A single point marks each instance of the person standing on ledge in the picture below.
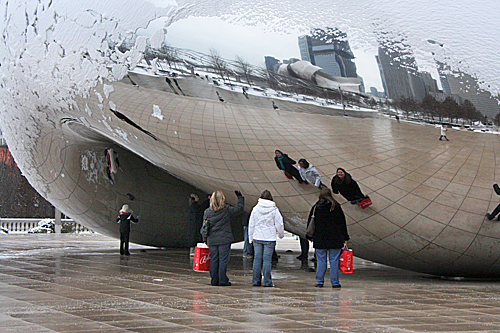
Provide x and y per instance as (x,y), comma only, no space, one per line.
(343,183)
(125,218)
(497,209)
(285,163)
(220,235)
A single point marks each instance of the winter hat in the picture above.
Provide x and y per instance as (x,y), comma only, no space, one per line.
(125,209)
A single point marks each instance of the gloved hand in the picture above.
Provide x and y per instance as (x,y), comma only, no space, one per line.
(238,193)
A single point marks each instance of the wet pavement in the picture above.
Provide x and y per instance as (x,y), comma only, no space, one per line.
(79,283)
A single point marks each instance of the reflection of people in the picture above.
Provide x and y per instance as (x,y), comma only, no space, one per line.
(195,221)
(344,184)
(285,163)
(497,209)
(309,173)
(125,218)
(265,222)
(220,235)
(112,163)
(329,237)
(304,249)
(247,247)
(443,133)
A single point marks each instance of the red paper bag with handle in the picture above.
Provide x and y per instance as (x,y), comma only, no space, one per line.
(365,202)
(346,261)
(201,261)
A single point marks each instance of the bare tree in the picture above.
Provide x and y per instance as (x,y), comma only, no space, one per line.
(219,64)
(243,69)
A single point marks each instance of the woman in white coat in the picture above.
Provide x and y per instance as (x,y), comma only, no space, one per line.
(265,222)
(309,173)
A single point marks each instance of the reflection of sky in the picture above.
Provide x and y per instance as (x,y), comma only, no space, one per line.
(250,43)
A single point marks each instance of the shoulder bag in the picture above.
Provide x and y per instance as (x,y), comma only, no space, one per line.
(311,227)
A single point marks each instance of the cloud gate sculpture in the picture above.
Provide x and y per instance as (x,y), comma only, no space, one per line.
(69,93)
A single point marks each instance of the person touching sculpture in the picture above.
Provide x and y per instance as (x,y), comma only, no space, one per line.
(220,235)
(497,209)
(343,183)
(285,163)
(309,173)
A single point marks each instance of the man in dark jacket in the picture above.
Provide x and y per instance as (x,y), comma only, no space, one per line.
(125,218)
(196,211)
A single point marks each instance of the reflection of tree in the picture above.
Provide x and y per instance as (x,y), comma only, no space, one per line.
(449,109)
(18,198)
(243,68)
(218,63)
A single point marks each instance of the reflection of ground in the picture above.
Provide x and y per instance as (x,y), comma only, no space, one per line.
(55,283)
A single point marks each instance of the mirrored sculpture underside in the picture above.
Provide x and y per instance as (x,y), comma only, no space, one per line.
(429,196)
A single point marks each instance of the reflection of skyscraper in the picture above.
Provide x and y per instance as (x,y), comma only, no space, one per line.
(466,87)
(330,50)
(399,73)
(272,63)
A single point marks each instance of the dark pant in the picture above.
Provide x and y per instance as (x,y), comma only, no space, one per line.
(295,173)
(219,258)
(494,213)
(124,238)
(304,248)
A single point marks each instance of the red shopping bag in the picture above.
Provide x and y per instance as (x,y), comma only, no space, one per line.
(365,202)
(345,263)
(201,261)
(289,176)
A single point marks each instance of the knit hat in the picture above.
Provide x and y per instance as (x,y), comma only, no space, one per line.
(125,209)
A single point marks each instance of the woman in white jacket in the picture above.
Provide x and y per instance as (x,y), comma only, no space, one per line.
(309,173)
(265,222)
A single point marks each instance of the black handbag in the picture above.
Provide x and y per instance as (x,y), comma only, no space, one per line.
(204,229)
(311,227)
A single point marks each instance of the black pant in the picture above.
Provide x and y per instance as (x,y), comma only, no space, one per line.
(495,212)
(124,238)
(294,173)
(304,248)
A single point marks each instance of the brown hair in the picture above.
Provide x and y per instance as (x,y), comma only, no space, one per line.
(266,195)
(217,201)
(347,178)
(326,196)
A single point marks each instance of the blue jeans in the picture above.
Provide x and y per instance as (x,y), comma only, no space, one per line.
(263,253)
(334,255)
(247,247)
(219,258)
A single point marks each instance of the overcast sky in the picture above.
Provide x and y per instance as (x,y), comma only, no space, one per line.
(250,43)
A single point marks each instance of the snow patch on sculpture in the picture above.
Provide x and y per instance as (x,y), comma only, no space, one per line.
(157,112)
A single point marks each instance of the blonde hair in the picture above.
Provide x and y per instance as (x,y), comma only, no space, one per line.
(326,196)
(217,201)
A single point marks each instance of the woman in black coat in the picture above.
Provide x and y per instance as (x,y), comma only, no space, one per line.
(125,218)
(329,237)
(285,163)
(344,184)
